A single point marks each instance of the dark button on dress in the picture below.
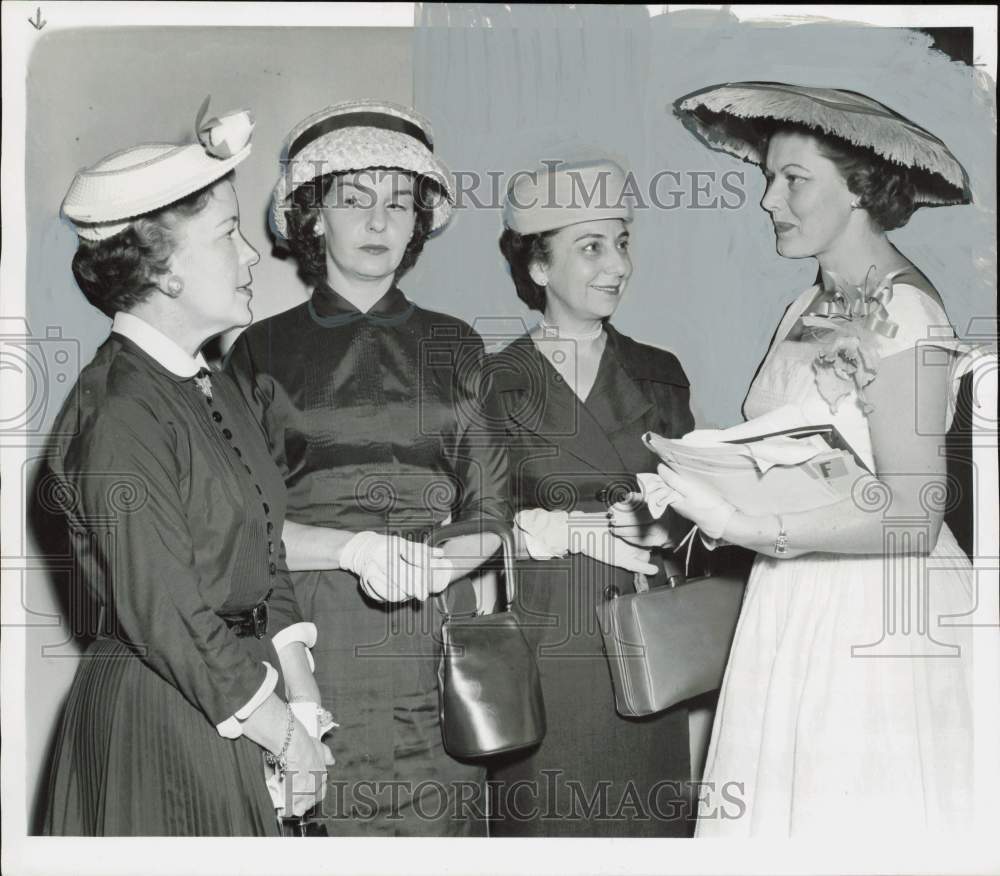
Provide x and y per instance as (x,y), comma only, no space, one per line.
(167,537)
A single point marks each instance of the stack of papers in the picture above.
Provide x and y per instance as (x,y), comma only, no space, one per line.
(772,464)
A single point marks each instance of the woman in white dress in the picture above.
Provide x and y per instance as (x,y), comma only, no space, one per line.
(847,703)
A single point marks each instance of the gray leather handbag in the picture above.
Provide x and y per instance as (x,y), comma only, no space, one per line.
(490,690)
(670,643)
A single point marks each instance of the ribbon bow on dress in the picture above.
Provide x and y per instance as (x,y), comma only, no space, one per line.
(848,324)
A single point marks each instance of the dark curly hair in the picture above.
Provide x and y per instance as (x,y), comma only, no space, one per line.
(521,251)
(120,272)
(884,189)
(303,213)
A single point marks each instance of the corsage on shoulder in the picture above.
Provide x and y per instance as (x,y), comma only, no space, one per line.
(847,325)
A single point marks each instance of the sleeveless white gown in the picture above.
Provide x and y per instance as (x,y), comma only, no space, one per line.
(846,708)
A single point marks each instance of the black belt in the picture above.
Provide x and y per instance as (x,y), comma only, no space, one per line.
(252,622)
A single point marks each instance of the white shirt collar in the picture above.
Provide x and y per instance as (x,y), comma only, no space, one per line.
(157,345)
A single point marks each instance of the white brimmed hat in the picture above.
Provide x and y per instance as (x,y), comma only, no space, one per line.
(561,194)
(356,135)
(734,117)
(104,199)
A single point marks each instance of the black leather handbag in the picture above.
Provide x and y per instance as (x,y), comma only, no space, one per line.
(671,643)
(490,690)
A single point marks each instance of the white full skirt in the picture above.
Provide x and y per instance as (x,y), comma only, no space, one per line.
(846,707)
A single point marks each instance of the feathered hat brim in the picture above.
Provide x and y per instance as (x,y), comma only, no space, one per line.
(736,117)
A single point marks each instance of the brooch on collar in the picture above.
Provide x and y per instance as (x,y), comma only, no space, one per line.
(204,383)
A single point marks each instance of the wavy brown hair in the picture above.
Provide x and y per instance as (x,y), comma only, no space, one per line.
(884,189)
(120,272)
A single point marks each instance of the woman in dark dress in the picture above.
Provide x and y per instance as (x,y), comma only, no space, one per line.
(371,406)
(175,510)
(576,396)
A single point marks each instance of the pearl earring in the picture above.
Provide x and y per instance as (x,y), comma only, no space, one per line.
(855,205)
(317,230)
(175,285)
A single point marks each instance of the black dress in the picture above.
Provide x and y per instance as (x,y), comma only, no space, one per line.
(377,423)
(175,511)
(595,773)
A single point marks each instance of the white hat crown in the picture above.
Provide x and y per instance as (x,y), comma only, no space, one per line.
(104,199)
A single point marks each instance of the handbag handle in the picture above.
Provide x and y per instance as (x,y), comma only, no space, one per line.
(477,527)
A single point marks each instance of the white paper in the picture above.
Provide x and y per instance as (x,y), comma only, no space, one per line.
(774,475)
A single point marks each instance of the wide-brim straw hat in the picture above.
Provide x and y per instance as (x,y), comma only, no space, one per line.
(104,199)
(737,116)
(359,135)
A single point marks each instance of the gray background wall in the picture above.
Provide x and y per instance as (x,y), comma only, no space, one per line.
(707,285)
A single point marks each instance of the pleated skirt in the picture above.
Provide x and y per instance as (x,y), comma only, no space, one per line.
(134,758)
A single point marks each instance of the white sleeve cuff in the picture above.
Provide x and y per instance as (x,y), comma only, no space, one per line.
(711,543)
(303,632)
(231,727)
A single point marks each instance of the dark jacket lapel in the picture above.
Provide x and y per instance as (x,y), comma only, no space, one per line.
(537,400)
(617,399)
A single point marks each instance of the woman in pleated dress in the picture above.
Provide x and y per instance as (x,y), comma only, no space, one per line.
(180,708)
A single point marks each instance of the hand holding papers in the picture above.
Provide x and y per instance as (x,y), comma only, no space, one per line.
(699,502)
(772,465)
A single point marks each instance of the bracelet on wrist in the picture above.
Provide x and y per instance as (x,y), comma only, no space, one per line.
(781,541)
(324,717)
(280,760)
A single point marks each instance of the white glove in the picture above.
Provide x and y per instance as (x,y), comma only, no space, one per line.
(699,503)
(394,569)
(655,493)
(545,533)
(549,534)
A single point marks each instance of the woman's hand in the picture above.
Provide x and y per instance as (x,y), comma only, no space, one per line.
(395,569)
(590,536)
(305,777)
(631,521)
(549,534)
(543,534)
(697,502)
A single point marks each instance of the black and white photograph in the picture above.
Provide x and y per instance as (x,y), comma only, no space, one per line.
(571,429)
